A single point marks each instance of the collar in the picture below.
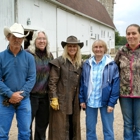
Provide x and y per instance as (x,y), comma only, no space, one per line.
(40,53)
(128,46)
(8,48)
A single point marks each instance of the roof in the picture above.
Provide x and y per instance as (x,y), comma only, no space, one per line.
(91,8)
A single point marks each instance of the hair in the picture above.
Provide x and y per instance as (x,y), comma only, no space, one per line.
(77,59)
(135,25)
(102,42)
(9,34)
(33,41)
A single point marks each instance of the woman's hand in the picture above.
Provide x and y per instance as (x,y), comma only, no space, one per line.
(110,109)
(83,105)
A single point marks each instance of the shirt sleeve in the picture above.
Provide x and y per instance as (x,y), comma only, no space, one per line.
(31,78)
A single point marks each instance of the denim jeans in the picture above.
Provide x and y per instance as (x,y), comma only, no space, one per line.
(23,116)
(107,122)
(131,115)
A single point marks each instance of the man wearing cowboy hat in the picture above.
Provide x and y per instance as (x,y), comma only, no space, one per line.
(17,77)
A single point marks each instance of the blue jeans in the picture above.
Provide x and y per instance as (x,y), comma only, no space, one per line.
(107,122)
(23,116)
(131,115)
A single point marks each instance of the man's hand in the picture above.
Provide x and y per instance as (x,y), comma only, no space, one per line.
(16,97)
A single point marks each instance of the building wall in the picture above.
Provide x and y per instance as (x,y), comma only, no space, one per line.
(59,23)
(86,30)
(42,16)
(6,19)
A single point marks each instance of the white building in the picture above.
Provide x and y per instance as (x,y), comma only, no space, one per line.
(88,20)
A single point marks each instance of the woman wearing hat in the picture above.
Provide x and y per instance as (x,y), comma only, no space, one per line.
(63,92)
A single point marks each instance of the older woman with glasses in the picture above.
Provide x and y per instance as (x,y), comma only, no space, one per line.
(39,48)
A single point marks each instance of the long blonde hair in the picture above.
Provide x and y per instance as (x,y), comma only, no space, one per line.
(77,58)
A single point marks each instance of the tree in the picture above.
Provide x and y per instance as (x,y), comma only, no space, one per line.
(122,41)
(117,38)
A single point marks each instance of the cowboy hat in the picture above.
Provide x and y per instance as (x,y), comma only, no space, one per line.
(72,40)
(16,29)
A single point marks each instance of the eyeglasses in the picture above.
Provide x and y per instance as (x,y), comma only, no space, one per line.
(39,39)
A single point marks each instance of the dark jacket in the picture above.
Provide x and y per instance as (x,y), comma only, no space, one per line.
(64,85)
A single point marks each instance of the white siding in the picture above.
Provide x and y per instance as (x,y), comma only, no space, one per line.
(61,29)
(57,23)
(6,19)
(43,17)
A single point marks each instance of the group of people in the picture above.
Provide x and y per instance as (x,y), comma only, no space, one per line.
(52,92)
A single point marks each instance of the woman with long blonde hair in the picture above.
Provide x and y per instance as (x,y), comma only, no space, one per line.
(63,92)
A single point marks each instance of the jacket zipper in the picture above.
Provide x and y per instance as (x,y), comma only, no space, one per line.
(131,75)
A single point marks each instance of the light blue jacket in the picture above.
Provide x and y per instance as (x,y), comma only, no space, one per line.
(110,83)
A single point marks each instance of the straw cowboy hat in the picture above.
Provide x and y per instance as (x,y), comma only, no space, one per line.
(72,40)
(16,29)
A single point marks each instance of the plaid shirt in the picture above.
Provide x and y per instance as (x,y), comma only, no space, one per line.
(96,81)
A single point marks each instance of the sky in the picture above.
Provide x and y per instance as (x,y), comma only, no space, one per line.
(126,12)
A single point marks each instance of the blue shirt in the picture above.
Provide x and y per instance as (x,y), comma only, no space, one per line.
(96,73)
(17,73)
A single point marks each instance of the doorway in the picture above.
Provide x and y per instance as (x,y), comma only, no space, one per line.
(28,39)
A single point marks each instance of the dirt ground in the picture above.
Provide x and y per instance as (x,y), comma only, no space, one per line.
(118,126)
